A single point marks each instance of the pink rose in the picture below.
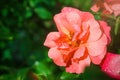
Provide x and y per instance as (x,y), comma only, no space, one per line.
(80,40)
(107,6)
(111,65)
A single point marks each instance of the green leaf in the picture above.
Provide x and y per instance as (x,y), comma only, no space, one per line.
(97,16)
(68,76)
(33,3)
(22,74)
(7,77)
(43,13)
(41,68)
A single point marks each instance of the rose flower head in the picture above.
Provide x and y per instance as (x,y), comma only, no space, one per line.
(79,41)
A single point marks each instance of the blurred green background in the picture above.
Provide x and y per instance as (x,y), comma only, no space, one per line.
(24,25)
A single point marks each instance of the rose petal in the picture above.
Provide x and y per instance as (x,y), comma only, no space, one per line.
(57,57)
(62,24)
(86,16)
(68,21)
(74,20)
(80,52)
(50,40)
(95,31)
(95,8)
(98,47)
(98,59)
(78,67)
(97,50)
(111,65)
(70,9)
(106,29)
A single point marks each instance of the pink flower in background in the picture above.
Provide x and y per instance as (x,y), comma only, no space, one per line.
(107,6)
(111,65)
(79,41)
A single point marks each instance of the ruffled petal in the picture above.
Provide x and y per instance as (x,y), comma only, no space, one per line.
(86,16)
(74,20)
(78,67)
(69,21)
(62,24)
(95,31)
(70,9)
(98,47)
(106,29)
(98,59)
(50,40)
(80,52)
(57,57)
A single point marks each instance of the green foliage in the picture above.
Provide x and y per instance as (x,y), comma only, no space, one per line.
(43,13)
(68,76)
(24,25)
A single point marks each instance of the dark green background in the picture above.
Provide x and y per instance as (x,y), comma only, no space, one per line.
(24,25)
